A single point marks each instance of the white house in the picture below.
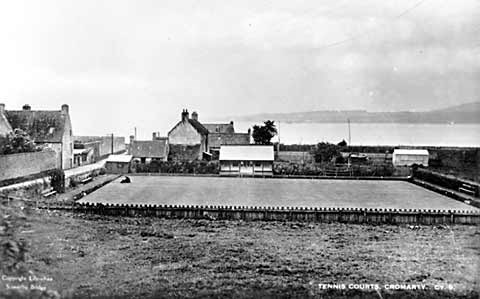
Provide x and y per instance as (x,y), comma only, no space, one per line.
(408,157)
(247,160)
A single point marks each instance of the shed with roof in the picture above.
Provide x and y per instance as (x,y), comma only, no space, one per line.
(118,164)
(409,157)
(248,160)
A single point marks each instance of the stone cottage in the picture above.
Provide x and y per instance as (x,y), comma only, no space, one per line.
(48,128)
(146,151)
(190,139)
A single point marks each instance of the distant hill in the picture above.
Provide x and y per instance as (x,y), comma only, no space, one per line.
(465,113)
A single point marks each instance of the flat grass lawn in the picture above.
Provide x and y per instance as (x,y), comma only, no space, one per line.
(165,190)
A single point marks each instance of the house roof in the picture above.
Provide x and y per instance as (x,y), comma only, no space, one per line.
(80,151)
(246,152)
(120,158)
(42,126)
(410,152)
(198,126)
(149,148)
(220,128)
(218,139)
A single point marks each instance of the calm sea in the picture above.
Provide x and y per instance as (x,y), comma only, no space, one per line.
(378,134)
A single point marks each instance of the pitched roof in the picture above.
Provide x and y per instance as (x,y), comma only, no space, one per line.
(119,158)
(220,128)
(422,152)
(149,148)
(246,153)
(218,139)
(80,151)
(42,126)
(198,126)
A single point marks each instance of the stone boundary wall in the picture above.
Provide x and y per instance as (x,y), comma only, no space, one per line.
(443,180)
(24,164)
(345,215)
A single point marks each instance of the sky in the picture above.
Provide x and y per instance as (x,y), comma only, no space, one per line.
(122,64)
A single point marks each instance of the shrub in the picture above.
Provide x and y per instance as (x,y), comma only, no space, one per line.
(326,152)
(73,183)
(57,180)
(187,167)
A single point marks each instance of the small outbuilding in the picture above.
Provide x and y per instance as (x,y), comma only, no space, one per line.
(147,151)
(82,156)
(249,160)
(408,157)
(118,164)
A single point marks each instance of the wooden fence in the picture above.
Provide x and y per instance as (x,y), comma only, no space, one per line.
(372,216)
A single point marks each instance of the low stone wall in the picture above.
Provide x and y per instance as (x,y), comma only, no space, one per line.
(24,164)
(447,181)
(360,216)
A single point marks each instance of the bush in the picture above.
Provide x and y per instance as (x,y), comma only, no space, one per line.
(187,167)
(326,152)
(73,183)
(57,180)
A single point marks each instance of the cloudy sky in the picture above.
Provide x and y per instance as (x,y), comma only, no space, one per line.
(120,64)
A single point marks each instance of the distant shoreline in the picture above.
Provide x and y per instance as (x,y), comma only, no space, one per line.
(461,114)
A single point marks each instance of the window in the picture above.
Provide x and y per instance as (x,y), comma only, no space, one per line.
(235,164)
(258,164)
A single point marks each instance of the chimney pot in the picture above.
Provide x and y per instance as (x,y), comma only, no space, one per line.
(185,115)
(26,107)
(195,115)
(65,108)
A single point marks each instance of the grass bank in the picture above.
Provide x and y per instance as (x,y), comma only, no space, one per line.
(92,256)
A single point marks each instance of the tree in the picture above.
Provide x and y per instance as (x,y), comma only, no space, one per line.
(326,152)
(264,134)
(18,141)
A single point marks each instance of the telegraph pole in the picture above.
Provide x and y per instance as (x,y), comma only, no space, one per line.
(349,134)
(278,146)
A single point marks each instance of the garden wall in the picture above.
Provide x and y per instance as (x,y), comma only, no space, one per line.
(443,180)
(25,164)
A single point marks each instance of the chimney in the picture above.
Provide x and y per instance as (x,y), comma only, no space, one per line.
(2,107)
(132,138)
(195,115)
(26,107)
(184,115)
(231,122)
(64,109)
(154,135)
